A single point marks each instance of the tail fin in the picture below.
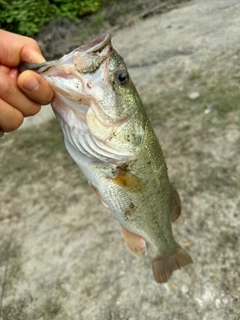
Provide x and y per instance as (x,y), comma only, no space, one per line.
(163,266)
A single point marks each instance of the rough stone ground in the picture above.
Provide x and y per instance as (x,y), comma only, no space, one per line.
(62,255)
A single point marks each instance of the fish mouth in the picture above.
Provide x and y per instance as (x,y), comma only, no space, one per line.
(96,44)
(92,47)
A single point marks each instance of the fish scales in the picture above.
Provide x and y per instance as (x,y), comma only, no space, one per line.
(109,136)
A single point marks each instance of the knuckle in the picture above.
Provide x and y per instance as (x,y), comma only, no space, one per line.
(35,108)
(6,88)
(18,121)
(15,122)
(30,109)
(48,98)
(31,42)
(45,93)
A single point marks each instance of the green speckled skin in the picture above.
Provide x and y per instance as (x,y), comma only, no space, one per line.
(146,212)
(109,136)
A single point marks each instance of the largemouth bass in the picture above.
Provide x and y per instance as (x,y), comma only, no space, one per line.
(109,136)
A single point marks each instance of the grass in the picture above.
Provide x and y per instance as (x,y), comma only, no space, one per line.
(33,159)
(217,177)
(48,309)
(222,98)
(10,262)
(195,74)
(24,150)
(190,127)
(219,97)
(34,154)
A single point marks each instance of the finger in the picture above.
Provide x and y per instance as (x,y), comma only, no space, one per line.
(4,69)
(31,54)
(15,48)
(10,93)
(35,87)
(10,118)
(12,72)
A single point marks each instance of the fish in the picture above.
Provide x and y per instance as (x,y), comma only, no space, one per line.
(109,135)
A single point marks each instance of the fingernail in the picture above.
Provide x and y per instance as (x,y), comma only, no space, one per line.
(36,57)
(31,84)
(32,55)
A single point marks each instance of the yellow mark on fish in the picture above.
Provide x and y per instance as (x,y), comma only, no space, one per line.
(129,182)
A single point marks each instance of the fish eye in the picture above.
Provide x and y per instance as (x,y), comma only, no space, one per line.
(121,77)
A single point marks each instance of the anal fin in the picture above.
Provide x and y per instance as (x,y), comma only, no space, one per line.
(134,243)
(176,204)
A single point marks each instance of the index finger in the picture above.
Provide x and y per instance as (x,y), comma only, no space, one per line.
(16,48)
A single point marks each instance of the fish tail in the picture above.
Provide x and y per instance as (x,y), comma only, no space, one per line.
(163,266)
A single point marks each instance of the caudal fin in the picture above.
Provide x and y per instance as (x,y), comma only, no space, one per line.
(163,266)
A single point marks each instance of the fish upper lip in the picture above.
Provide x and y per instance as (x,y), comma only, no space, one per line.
(93,46)
(96,44)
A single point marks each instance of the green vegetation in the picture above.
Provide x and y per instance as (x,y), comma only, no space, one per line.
(33,147)
(27,17)
(48,309)
(218,101)
(213,116)
(38,155)
(195,74)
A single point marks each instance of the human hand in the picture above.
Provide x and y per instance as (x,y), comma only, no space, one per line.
(21,95)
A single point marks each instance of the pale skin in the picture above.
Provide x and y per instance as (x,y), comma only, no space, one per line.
(21,95)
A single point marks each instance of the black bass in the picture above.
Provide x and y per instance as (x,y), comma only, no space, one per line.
(109,136)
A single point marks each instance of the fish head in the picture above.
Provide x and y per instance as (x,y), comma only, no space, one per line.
(95,99)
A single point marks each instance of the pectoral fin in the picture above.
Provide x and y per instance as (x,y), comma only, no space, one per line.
(135,243)
(95,189)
